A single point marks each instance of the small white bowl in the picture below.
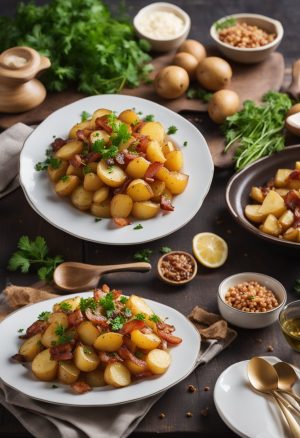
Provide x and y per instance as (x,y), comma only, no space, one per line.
(163,44)
(257,54)
(249,320)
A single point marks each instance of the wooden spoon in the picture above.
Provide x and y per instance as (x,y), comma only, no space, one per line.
(77,277)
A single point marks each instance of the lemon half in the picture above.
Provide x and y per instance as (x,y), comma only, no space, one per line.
(210,249)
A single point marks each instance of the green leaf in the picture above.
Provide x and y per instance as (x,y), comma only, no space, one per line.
(18,261)
(44,316)
(143,255)
(172,130)
(225,23)
(138,227)
(165,249)
(85,116)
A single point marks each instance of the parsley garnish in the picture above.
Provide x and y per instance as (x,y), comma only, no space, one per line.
(63,337)
(143,255)
(165,250)
(85,116)
(87,303)
(107,303)
(44,316)
(20,330)
(123,300)
(149,118)
(86,169)
(140,316)
(138,227)
(127,312)
(65,178)
(199,93)
(139,354)
(155,318)
(110,169)
(49,161)
(65,307)
(117,323)
(297,286)
(185,143)
(172,130)
(54,386)
(34,252)
(87,350)
(106,152)
(224,24)
(98,219)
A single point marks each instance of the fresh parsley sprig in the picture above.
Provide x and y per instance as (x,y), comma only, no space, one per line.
(224,24)
(143,255)
(44,316)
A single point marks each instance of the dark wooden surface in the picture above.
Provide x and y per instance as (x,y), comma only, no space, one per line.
(246,253)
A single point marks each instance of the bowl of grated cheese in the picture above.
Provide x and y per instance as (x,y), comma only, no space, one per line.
(164,25)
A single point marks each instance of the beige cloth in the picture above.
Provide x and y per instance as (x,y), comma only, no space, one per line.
(71,422)
(11,143)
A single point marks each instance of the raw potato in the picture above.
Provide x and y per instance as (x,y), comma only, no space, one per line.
(121,205)
(112,176)
(271,226)
(257,194)
(154,130)
(158,361)
(65,186)
(88,124)
(117,375)
(43,367)
(186,61)
(109,342)
(87,332)
(67,151)
(31,347)
(174,160)
(273,204)
(146,341)
(56,174)
(137,167)
(81,198)
(71,170)
(224,103)
(154,152)
(129,117)
(176,182)
(252,213)
(171,82)
(139,190)
(100,195)
(73,302)
(95,378)
(68,373)
(85,358)
(145,209)
(194,48)
(92,182)
(101,210)
(214,73)
(99,135)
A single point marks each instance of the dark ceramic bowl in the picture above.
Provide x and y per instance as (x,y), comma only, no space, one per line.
(258,173)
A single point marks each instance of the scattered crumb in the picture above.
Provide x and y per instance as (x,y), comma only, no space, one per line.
(204,412)
(189,414)
(206,388)
(270,348)
(229,231)
(191,388)
(258,340)
(162,416)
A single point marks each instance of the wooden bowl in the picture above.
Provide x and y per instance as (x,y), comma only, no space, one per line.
(257,174)
(173,282)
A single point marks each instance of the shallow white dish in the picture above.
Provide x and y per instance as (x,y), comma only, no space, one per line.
(60,213)
(21,378)
(248,413)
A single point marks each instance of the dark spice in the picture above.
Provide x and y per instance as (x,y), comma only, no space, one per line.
(206,388)
(162,416)
(191,388)
(189,414)
(204,412)
(270,349)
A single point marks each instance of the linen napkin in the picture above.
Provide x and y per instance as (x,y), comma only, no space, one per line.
(11,143)
(106,422)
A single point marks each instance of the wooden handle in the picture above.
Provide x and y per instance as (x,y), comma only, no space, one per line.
(134,267)
(294,426)
(44,64)
(294,87)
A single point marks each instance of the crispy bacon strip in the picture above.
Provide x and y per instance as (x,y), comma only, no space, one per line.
(142,375)
(18,358)
(109,358)
(62,352)
(138,126)
(35,328)
(292,200)
(134,324)
(75,318)
(163,345)
(129,156)
(102,123)
(171,339)
(122,221)
(165,327)
(165,203)
(58,143)
(77,161)
(153,169)
(127,355)
(294,175)
(143,143)
(296,223)
(80,387)
(91,157)
(129,344)
(123,187)
(98,294)
(96,318)
(146,330)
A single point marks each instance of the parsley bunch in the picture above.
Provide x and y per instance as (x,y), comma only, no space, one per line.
(32,252)
(86,45)
(258,130)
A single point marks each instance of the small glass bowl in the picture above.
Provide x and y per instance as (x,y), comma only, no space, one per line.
(289,329)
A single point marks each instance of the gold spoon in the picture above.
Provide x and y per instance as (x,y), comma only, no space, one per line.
(75,277)
(287,377)
(263,378)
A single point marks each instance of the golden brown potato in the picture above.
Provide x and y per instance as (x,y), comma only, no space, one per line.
(154,152)
(138,305)
(44,367)
(252,213)
(99,135)
(117,375)
(73,303)
(157,187)
(87,332)
(168,147)
(92,182)
(68,373)
(129,116)
(108,342)
(49,337)
(154,130)
(134,368)
(88,124)
(31,347)
(71,170)
(121,205)
(174,160)
(85,358)
(176,182)
(194,48)
(102,209)
(112,176)
(286,219)
(56,174)
(145,209)
(66,185)
(145,341)
(81,198)
(95,378)
(273,204)
(68,151)
(291,234)
(162,174)
(100,113)
(158,361)
(281,177)
(137,167)
(271,226)
(257,195)
(139,190)
(100,195)
(59,318)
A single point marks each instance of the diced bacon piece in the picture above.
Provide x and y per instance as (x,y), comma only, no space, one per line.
(62,351)
(18,358)
(294,175)
(134,324)
(91,157)
(109,358)
(121,221)
(163,345)
(75,318)
(116,293)
(165,327)
(58,143)
(35,328)
(171,339)
(80,387)
(146,330)
(77,161)
(142,375)
(83,134)
(153,169)
(126,354)
(138,126)
(102,123)
(143,143)
(123,187)
(129,344)
(292,200)
(165,203)
(96,318)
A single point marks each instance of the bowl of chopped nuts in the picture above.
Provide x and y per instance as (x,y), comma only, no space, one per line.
(247,38)
(251,300)
(177,268)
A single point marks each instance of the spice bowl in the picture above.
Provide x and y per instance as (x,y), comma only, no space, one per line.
(177,268)
(245,319)
(249,55)
(162,43)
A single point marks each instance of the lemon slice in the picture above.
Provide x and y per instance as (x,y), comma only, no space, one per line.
(210,249)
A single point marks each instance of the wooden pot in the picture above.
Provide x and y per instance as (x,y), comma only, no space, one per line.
(19,90)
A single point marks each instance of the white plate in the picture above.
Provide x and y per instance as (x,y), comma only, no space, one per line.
(60,213)
(248,413)
(21,378)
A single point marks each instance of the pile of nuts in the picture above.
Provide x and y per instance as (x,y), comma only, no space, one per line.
(251,297)
(245,36)
(177,267)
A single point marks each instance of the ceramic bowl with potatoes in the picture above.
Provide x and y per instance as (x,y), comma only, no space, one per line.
(265,197)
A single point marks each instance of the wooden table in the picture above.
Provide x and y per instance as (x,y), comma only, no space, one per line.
(246,253)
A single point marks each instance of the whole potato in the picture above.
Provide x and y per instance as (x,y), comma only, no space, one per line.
(186,61)
(171,82)
(194,48)
(223,103)
(214,73)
